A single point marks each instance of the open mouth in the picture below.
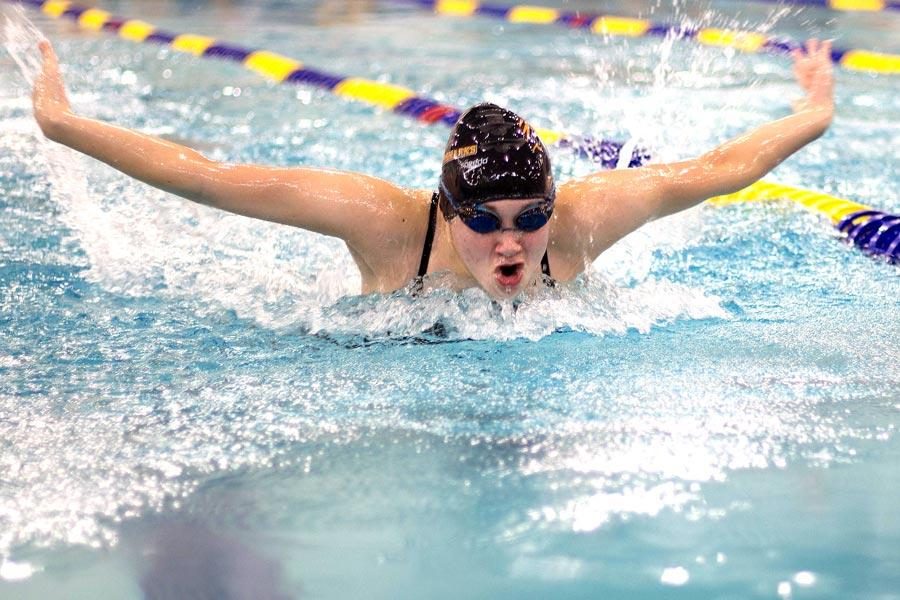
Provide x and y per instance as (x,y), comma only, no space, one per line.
(509,275)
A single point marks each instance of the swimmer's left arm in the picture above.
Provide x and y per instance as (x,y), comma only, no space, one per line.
(745,159)
(618,202)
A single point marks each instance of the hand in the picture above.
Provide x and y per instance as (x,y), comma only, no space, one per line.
(814,72)
(49,97)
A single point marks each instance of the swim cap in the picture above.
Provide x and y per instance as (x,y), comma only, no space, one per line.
(493,154)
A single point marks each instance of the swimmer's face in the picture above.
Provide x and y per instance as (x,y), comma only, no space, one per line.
(506,261)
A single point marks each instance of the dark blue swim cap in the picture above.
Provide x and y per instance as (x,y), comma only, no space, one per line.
(493,154)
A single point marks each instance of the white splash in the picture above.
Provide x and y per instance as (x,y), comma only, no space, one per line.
(16,571)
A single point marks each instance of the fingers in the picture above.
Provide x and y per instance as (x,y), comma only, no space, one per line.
(819,50)
(813,68)
(825,50)
(812,62)
(48,55)
(814,49)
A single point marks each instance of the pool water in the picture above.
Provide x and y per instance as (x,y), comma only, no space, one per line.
(194,404)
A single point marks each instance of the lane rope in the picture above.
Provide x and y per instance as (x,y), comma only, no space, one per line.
(846,214)
(873,231)
(745,41)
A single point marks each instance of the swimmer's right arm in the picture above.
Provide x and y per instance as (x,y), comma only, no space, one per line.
(350,206)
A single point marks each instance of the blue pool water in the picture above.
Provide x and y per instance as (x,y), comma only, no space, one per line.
(196,403)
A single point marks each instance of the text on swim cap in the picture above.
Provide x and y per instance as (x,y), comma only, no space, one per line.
(460,153)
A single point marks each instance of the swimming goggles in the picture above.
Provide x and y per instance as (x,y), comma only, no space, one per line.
(484,221)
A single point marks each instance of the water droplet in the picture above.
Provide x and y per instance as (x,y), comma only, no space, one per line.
(784,590)
(675,576)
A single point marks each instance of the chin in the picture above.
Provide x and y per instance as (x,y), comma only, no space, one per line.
(504,293)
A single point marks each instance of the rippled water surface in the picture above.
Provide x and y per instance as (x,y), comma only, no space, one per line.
(196,403)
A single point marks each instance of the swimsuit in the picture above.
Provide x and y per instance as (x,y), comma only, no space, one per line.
(429,239)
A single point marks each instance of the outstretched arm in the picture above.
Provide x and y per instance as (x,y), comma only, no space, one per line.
(609,205)
(345,205)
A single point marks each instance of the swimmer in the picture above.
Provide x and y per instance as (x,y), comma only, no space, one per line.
(504,226)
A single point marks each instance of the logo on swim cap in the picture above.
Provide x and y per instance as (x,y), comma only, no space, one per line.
(505,159)
(460,153)
(468,166)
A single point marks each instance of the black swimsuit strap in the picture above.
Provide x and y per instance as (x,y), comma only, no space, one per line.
(429,236)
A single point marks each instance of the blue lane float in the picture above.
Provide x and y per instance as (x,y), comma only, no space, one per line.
(874,232)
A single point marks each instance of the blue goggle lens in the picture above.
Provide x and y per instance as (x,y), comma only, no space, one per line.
(532,220)
(481,222)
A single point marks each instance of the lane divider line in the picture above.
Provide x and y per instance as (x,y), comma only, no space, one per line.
(746,41)
(873,231)
(843,5)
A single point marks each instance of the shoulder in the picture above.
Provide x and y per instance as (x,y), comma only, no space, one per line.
(583,210)
(389,245)
(397,216)
(594,212)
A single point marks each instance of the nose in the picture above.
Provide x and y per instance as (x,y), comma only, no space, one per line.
(509,242)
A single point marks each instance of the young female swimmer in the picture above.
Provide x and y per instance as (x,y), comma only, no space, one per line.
(506,227)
